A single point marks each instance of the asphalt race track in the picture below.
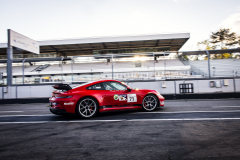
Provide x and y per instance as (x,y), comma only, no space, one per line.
(183,129)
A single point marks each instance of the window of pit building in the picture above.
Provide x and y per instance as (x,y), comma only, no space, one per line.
(186,88)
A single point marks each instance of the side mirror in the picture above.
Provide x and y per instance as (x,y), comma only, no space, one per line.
(129,89)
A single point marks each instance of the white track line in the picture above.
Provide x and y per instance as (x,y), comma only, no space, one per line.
(121,120)
(187,112)
(133,113)
(28,115)
(224,106)
(186,119)
(10,111)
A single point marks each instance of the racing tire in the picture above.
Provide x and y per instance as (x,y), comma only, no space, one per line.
(87,107)
(149,103)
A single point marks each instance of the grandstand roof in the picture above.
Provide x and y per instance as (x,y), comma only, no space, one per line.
(36,59)
(86,46)
(219,51)
(104,56)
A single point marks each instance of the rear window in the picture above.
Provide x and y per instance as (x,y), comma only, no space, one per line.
(97,86)
(79,85)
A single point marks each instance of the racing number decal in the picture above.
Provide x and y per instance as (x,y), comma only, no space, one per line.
(131,98)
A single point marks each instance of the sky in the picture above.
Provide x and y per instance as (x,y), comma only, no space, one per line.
(70,19)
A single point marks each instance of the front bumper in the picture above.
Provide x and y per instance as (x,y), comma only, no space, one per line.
(161,100)
(57,111)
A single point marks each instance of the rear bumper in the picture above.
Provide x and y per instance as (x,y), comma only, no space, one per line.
(63,104)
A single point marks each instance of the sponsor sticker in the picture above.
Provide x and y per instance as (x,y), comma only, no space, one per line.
(122,97)
(131,98)
(115,97)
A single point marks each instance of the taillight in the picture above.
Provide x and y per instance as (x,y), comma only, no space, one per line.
(59,96)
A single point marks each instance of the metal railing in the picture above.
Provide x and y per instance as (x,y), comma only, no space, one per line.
(124,67)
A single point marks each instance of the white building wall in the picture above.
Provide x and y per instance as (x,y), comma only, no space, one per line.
(1,92)
(200,86)
(237,83)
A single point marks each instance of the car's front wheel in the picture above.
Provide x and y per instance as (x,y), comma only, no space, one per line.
(87,107)
(149,102)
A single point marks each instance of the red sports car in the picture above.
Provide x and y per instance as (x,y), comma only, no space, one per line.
(87,99)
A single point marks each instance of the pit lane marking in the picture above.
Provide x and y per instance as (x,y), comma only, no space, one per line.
(126,120)
(224,106)
(186,112)
(28,115)
(132,113)
(10,111)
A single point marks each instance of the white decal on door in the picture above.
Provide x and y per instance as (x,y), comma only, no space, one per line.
(131,98)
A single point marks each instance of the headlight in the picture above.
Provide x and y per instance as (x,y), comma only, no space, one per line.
(158,93)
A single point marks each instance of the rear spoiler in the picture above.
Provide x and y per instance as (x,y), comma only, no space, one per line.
(65,87)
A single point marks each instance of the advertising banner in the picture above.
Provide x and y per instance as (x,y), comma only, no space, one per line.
(23,42)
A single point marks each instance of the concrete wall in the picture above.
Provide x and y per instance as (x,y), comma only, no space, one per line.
(200,86)
(155,85)
(237,83)
(42,91)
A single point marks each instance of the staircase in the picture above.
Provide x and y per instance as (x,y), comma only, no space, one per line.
(40,68)
(195,70)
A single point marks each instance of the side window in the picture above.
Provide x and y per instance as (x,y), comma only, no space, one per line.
(114,86)
(95,87)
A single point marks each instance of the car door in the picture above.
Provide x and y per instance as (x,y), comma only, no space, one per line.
(97,91)
(115,94)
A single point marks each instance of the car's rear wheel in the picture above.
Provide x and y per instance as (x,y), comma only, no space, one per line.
(149,102)
(87,107)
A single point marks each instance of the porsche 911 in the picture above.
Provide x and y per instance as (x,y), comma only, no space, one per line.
(88,99)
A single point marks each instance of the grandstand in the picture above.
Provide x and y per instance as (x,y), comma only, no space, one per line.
(219,67)
(106,59)
(123,70)
(121,58)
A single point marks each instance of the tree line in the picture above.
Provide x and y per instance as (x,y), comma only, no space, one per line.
(221,39)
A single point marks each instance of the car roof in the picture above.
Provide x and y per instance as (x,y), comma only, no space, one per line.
(99,81)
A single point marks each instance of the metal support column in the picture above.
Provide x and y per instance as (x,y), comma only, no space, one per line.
(234,85)
(23,69)
(154,67)
(72,68)
(9,61)
(209,71)
(2,93)
(16,92)
(164,66)
(62,68)
(175,90)
(112,66)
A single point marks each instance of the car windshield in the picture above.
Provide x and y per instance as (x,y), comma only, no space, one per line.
(125,84)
